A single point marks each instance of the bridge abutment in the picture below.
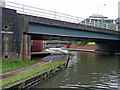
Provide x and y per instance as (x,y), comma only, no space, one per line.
(109,48)
(12,30)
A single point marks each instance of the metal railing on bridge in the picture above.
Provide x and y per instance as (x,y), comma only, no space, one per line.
(34,11)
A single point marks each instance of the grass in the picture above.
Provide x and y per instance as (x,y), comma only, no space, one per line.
(14,65)
(45,51)
(27,74)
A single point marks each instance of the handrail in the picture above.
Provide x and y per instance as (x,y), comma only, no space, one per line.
(35,11)
(44,9)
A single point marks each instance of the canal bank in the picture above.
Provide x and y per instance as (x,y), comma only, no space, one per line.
(31,81)
(60,63)
(92,51)
(82,50)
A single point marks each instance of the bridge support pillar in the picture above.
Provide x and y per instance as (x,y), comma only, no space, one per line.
(26,47)
(110,48)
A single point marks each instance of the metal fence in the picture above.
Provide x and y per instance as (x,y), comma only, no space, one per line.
(34,11)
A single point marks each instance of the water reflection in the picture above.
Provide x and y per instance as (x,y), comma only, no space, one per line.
(86,70)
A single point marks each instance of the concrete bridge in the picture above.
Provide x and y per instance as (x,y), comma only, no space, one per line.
(17,31)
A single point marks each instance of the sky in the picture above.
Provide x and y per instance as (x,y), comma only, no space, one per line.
(80,8)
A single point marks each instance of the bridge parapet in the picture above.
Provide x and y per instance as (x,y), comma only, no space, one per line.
(63,24)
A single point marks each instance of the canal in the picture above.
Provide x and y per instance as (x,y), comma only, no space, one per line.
(86,70)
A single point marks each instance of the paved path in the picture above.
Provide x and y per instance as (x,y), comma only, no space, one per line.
(41,53)
(16,72)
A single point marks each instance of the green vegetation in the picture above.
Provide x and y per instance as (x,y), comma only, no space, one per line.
(90,44)
(74,44)
(55,41)
(27,74)
(45,51)
(14,65)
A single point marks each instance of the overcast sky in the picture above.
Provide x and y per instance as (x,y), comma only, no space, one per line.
(80,8)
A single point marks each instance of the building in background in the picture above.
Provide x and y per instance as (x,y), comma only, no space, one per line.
(97,17)
(54,44)
(98,20)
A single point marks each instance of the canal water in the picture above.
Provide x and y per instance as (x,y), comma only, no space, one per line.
(87,70)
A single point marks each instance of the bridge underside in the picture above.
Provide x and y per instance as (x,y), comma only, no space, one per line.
(102,45)
(68,38)
(49,32)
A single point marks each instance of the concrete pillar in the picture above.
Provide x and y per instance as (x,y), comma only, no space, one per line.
(0,34)
(108,47)
(27,47)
